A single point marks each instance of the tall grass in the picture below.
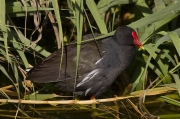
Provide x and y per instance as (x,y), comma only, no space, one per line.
(154,69)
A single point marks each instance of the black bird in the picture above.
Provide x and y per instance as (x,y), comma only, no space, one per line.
(99,65)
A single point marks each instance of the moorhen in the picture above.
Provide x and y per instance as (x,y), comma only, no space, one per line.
(100,64)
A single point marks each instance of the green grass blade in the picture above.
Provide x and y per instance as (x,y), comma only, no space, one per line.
(151,51)
(3,26)
(57,14)
(171,101)
(143,7)
(167,55)
(176,40)
(19,49)
(177,81)
(95,12)
(168,12)
(26,41)
(79,17)
(174,69)
(137,76)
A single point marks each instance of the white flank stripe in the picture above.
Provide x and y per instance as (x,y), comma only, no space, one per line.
(28,69)
(89,76)
(87,91)
(98,61)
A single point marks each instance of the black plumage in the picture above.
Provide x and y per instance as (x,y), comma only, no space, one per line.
(99,64)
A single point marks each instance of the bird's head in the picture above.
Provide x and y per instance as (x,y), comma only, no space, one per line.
(127,36)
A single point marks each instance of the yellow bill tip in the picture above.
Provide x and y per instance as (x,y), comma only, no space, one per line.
(142,47)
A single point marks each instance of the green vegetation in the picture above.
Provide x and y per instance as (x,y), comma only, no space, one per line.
(154,72)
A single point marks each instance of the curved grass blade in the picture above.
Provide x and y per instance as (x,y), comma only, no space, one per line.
(19,49)
(167,55)
(140,77)
(176,40)
(35,47)
(96,14)
(6,74)
(137,76)
(142,6)
(168,12)
(177,81)
(151,51)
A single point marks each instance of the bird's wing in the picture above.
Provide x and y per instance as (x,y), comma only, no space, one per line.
(49,70)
